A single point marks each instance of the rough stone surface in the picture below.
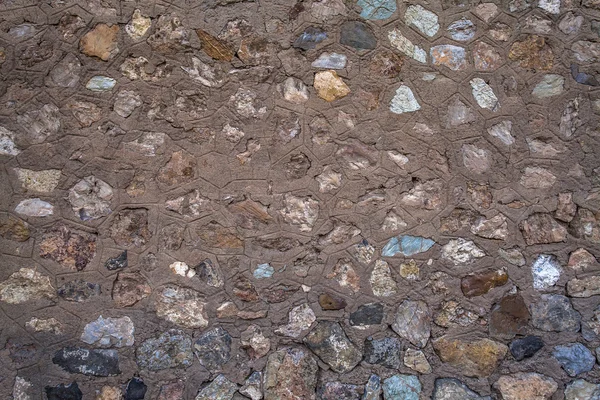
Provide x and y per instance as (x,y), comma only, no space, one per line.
(521,386)
(182,306)
(109,332)
(330,343)
(478,358)
(26,285)
(171,349)
(525,347)
(88,361)
(290,373)
(413,322)
(575,358)
(554,313)
(453,389)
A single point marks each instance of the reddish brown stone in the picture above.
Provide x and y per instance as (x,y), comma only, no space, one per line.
(180,169)
(541,228)
(278,293)
(217,236)
(172,391)
(244,290)
(329,301)
(533,53)
(481,283)
(130,227)
(485,57)
(68,248)
(129,288)
(387,64)
(509,317)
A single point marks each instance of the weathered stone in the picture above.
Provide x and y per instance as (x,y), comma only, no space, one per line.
(205,74)
(329,180)
(485,57)
(476,358)
(43,181)
(406,245)
(413,322)
(263,271)
(300,320)
(580,389)
(7,144)
(509,317)
(50,325)
(450,56)
(88,362)
(453,389)
(253,386)
(545,271)
(69,25)
(586,51)
(67,72)
(492,228)
(382,282)
(422,19)
(358,35)
(377,9)
(245,104)
(62,392)
(416,360)
(294,91)
(26,285)
(550,85)
(402,387)
(575,358)
(109,332)
(367,314)
(484,94)
(40,124)
(566,208)
(12,228)
(220,388)
(34,208)
(585,225)
(476,160)
(130,288)
(330,343)
(126,102)
(525,347)
(329,301)
(584,287)
(513,256)
(138,25)
(310,38)
(537,178)
(301,211)
(130,227)
(180,169)
(532,53)
(171,349)
(459,113)
(554,313)
(100,42)
(330,86)
(69,248)
(405,46)
(461,251)
(581,260)
(138,68)
(452,314)
(462,30)
(500,31)
(213,348)
(100,83)
(22,389)
(214,47)
(182,306)
(169,36)
(291,373)
(255,343)
(386,352)
(78,290)
(526,386)
(245,290)
(479,284)
(135,389)
(345,274)
(404,101)
(116,263)
(90,198)
(330,61)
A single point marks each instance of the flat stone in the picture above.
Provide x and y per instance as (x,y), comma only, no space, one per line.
(532,53)
(509,317)
(358,35)
(485,57)
(130,288)
(462,30)
(481,283)
(204,73)
(300,320)
(586,51)
(255,343)
(34,208)
(584,287)
(330,61)
(554,313)
(537,178)
(484,94)
(253,386)
(459,113)
(79,360)
(402,387)
(546,271)
(386,352)
(416,360)
(109,332)
(135,389)
(41,123)
(78,290)
(300,211)
(574,358)
(330,343)
(26,285)
(69,248)
(67,72)
(580,389)
(169,35)
(550,85)
(526,386)
(213,348)
(100,42)
(381,280)
(245,290)
(291,373)
(43,181)
(406,245)
(90,198)
(475,358)
(453,389)
(413,322)
(330,86)
(422,19)
(585,225)
(492,228)
(377,9)
(367,314)
(404,101)
(170,349)
(263,271)
(7,143)
(63,391)
(461,251)
(338,391)
(453,314)
(566,207)
(182,306)
(310,38)
(475,160)
(220,388)
(513,256)
(450,56)
(130,227)
(138,25)
(526,347)
(405,46)
(50,325)
(100,83)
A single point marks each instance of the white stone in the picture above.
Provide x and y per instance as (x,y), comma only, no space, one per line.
(34,208)
(422,19)
(550,6)
(404,101)
(138,26)
(502,131)
(7,144)
(330,61)
(295,91)
(329,180)
(545,271)
(300,320)
(461,251)
(398,158)
(406,46)
(203,73)
(232,133)
(484,95)
(181,268)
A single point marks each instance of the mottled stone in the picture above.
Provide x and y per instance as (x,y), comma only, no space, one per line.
(43,181)
(172,391)
(88,362)
(416,360)
(291,373)
(532,53)
(586,51)
(301,211)
(330,86)
(169,36)
(381,280)
(12,228)
(525,347)
(509,317)
(452,314)
(537,178)
(329,301)
(78,290)
(171,349)
(345,274)
(26,285)
(41,123)
(138,25)
(50,325)
(330,61)
(484,94)
(358,35)
(513,256)
(310,38)
(582,260)
(138,68)
(554,313)
(67,72)
(459,113)
(550,85)
(63,392)
(574,358)
(69,248)
(126,102)
(100,83)
(294,91)
(526,386)
(130,227)
(214,47)
(485,57)
(413,322)
(330,343)
(386,352)
(404,101)
(405,46)
(255,343)
(402,387)
(545,271)
(410,270)
(584,287)
(329,180)
(475,160)
(450,56)
(109,332)
(220,388)
(367,314)
(570,121)
(180,169)
(253,386)
(130,288)
(338,391)
(377,9)
(100,42)
(90,198)
(213,348)
(300,320)
(585,225)
(406,245)
(476,358)
(462,30)
(422,19)
(566,208)
(135,389)
(182,306)
(34,208)
(453,389)
(580,389)
(461,251)
(372,388)
(116,263)
(481,283)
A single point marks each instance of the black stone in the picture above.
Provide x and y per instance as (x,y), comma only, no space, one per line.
(525,347)
(368,314)
(135,390)
(64,392)
(78,290)
(357,35)
(310,38)
(119,262)
(386,352)
(213,348)
(84,361)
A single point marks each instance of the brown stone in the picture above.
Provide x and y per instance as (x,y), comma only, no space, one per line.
(458,219)
(129,288)
(541,228)
(68,248)
(180,169)
(474,358)
(532,53)
(257,51)
(279,293)
(130,227)
(479,194)
(329,301)
(480,283)
(485,57)
(217,236)
(345,274)
(12,228)
(100,42)
(330,86)
(584,287)
(172,391)
(387,64)
(509,317)
(452,314)
(566,208)
(290,374)
(244,290)
(582,260)
(214,47)
(586,225)
(250,214)
(526,386)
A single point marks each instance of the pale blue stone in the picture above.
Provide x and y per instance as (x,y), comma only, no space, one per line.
(401,387)
(101,83)
(575,358)
(377,9)
(330,61)
(263,271)
(462,30)
(372,388)
(407,245)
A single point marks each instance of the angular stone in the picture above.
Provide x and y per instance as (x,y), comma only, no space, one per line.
(581,260)
(345,274)
(509,317)
(310,38)
(484,94)
(79,360)
(554,313)
(377,9)
(575,358)
(130,227)
(138,68)
(526,386)
(50,325)
(138,25)
(109,393)
(214,47)
(330,61)
(450,56)
(302,211)
(410,270)
(585,225)
(253,386)
(300,320)
(67,72)
(26,285)
(62,392)
(550,85)
(291,373)
(329,180)
(43,181)
(329,301)
(90,198)
(462,30)
(116,263)
(7,143)
(513,256)
(416,360)
(406,245)
(130,288)
(109,332)
(475,358)
(422,19)
(255,343)
(382,282)
(525,347)
(492,228)
(537,178)
(100,83)
(406,47)
(100,42)
(22,389)
(386,352)
(453,389)
(358,35)
(330,343)
(367,314)
(220,388)
(180,169)
(213,348)
(586,51)
(402,387)
(545,271)
(69,248)
(584,287)
(34,208)
(452,314)
(40,124)
(330,86)
(485,57)
(171,349)
(294,91)
(404,101)
(566,208)
(532,53)
(461,251)
(78,290)
(413,322)
(169,36)
(580,389)
(459,113)
(182,306)
(126,102)
(135,389)
(479,284)
(475,160)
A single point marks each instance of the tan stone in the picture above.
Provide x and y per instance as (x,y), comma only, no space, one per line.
(526,386)
(100,42)
(330,86)
(476,358)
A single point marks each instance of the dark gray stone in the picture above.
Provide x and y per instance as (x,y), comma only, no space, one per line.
(78,290)
(135,390)
(213,348)
(525,347)
(171,349)
(554,313)
(64,392)
(367,314)
(330,343)
(386,352)
(79,360)
(575,358)
(358,35)
(115,263)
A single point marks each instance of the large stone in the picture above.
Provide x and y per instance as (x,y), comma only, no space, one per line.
(545,271)
(575,358)
(422,19)
(338,391)
(386,352)
(402,387)
(79,360)
(69,248)
(491,228)
(413,322)
(484,94)
(40,124)
(526,347)
(50,325)
(213,348)
(220,388)
(509,317)
(382,282)
(462,30)
(582,260)
(377,9)
(526,386)
(130,227)
(90,198)
(580,389)
(330,61)
(358,35)
(404,45)
(100,42)
(330,343)
(586,51)
(34,208)
(129,288)
(586,225)
(541,228)
(478,284)
(291,374)
(330,86)
(7,143)
(109,332)
(475,358)
(453,389)
(554,313)
(486,57)
(404,101)
(367,314)
(26,285)
(584,287)
(450,56)
(171,349)
(532,53)
(182,306)
(461,251)
(138,25)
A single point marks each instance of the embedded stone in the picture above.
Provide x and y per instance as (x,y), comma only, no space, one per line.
(116,263)
(169,36)
(476,160)
(550,85)
(574,358)
(329,301)
(410,270)
(413,322)
(220,388)
(209,273)
(43,181)
(416,360)
(462,30)
(329,180)
(263,271)
(69,248)
(526,347)
(586,51)
(295,91)
(566,208)
(377,9)
(404,101)
(367,314)
(570,121)
(63,391)
(109,393)
(67,72)
(537,178)
(358,35)
(130,227)
(245,290)
(126,102)
(135,389)
(90,198)
(382,282)
(545,271)
(310,38)
(40,124)
(7,143)
(182,306)
(584,287)
(386,352)
(461,251)
(79,360)
(330,86)
(554,313)
(78,290)
(302,211)
(50,325)
(402,387)
(453,389)
(406,245)
(484,94)
(492,228)
(100,42)
(130,288)
(406,47)
(291,373)
(459,113)
(26,285)
(100,83)
(480,283)
(214,47)
(345,274)
(34,208)
(475,358)
(585,225)
(180,169)
(580,389)
(526,386)
(509,317)
(450,56)
(138,25)
(330,61)
(300,320)
(452,314)
(485,57)
(109,332)
(255,343)
(213,348)
(330,343)
(422,19)
(253,386)
(532,53)
(581,260)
